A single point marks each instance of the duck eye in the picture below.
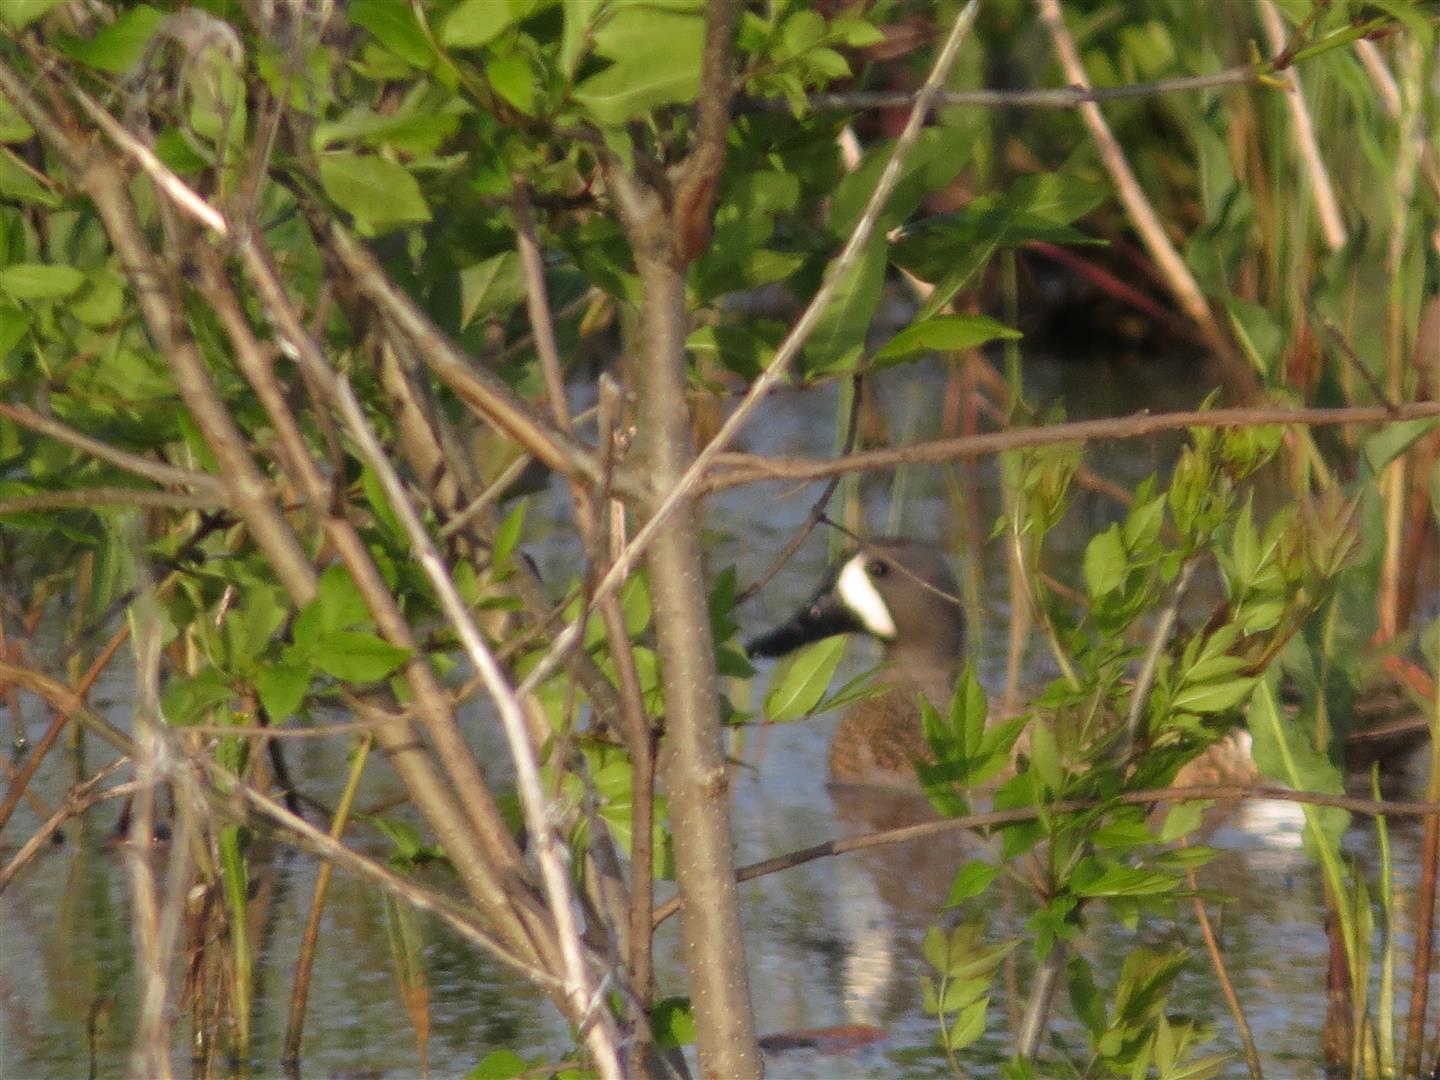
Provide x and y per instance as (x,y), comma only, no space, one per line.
(878,568)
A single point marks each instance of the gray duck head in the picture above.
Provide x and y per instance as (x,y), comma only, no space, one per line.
(900,592)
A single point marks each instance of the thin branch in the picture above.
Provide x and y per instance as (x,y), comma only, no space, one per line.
(1327,206)
(93,498)
(1062,97)
(996,818)
(817,510)
(1159,639)
(156,471)
(753,468)
(1227,988)
(78,799)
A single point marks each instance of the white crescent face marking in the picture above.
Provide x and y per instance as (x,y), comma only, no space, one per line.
(858,593)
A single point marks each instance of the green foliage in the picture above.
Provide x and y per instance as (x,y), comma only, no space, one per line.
(1086,739)
(417,124)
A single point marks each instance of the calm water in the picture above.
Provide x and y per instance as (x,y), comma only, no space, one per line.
(833,942)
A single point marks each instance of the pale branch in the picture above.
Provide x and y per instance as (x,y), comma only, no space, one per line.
(1322,190)
(753,468)
(586,1010)
(466,817)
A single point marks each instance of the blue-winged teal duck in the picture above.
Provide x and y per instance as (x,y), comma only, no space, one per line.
(903,593)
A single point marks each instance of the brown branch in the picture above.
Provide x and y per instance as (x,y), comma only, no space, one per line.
(155,471)
(90,498)
(1227,988)
(77,801)
(1060,97)
(996,818)
(752,468)
(699,175)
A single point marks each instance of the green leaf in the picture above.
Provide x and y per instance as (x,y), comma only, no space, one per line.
(491,286)
(969,1025)
(355,657)
(476,22)
(943,333)
(801,678)
(21,15)
(282,688)
(1045,755)
(656,54)
(968,712)
(840,333)
(1117,880)
(1394,439)
(672,1022)
(17,183)
(376,192)
(338,601)
(971,880)
(1182,819)
(513,80)
(40,281)
(1106,563)
(499,1064)
(395,26)
(508,534)
(118,47)
(1213,697)
(1085,996)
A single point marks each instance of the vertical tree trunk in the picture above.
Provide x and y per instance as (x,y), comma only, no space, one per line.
(694,771)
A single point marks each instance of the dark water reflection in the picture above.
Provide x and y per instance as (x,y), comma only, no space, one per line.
(833,942)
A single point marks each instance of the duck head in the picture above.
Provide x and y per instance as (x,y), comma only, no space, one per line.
(900,592)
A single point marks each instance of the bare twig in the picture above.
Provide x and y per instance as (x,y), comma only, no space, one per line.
(1159,640)
(751,468)
(1227,988)
(1060,97)
(78,799)
(1327,206)
(817,510)
(996,818)
(158,472)
(300,991)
